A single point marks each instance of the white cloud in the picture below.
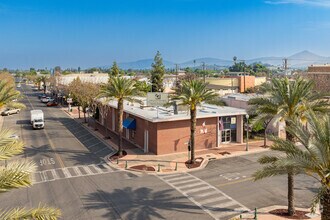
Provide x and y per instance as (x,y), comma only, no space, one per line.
(319,3)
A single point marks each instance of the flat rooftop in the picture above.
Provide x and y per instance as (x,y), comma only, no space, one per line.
(241,97)
(164,114)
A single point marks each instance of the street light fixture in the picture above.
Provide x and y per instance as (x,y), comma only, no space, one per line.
(247,132)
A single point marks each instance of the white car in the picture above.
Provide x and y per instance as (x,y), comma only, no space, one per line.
(46,100)
(14,136)
(10,111)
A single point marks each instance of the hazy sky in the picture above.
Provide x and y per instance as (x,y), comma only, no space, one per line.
(86,33)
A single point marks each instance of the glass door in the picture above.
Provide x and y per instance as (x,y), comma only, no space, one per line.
(226,136)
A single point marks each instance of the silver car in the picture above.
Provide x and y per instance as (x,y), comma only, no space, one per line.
(10,111)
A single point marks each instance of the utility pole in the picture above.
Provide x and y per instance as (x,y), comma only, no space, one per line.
(203,65)
(176,72)
(285,65)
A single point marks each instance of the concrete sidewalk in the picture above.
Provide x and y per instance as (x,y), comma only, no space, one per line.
(264,215)
(171,162)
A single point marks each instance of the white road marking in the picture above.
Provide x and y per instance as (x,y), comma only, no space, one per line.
(54,174)
(67,175)
(195,189)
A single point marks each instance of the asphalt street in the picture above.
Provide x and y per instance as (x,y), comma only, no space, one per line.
(72,176)
(233,176)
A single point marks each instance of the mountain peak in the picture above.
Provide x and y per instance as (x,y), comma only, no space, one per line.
(306,55)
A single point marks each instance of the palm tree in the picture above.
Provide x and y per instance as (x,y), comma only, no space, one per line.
(120,89)
(44,80)
(17,175)
(312,158)
(285,101)
(193,93)
(7,93)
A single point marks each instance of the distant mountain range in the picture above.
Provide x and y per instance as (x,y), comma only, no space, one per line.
(298,60)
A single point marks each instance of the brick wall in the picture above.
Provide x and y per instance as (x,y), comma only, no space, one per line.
(321,80)
(172,136)
(320,69)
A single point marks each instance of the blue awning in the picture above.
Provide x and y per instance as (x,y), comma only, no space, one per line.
(129,123)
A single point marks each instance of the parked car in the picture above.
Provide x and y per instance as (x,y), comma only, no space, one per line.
(35,89)
(19,85)
(41,96)
(46,100)
(14,136)
(52,103)
(10,111)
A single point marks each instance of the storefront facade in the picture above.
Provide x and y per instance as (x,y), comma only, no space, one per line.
(163,132)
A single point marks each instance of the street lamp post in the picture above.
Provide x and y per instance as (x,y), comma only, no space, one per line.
(247,132)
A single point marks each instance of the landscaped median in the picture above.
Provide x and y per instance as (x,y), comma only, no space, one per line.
(134,160)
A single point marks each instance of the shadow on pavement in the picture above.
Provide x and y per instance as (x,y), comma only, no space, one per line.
(141,203)
(77,157)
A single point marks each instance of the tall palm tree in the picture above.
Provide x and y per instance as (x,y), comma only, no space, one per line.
(312,158)
(17,175)
(120,89)
(286,100)
(193,93)
(44,80)
(7,93)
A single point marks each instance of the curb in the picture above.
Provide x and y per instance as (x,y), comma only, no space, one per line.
(265,211)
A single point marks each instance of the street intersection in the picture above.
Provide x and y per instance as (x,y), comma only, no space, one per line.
(72,176)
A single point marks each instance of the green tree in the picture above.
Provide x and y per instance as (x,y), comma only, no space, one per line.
(313,158)
(157,74)
(7,93)
(83,93)
(120,89)
(114,71)
(44,79)
(143,86)
(17,175)
(287,100)
(193,93)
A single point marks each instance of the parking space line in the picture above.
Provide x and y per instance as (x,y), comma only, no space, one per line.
(100,150)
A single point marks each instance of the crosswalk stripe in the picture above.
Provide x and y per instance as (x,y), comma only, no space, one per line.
(201,193)
(224,213)
(54,174)
(97,168)
(211,192)
(189,185)
(166,176)
(66,173)
(87,170)
(220,205)
(77,171)
(184,181)
(196,189)
(213,199)
(178,178)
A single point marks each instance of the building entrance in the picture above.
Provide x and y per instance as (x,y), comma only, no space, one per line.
(227,130)
(226,136)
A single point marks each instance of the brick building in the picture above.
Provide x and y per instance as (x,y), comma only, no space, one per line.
(163,132)
(320,74)
(234,83)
